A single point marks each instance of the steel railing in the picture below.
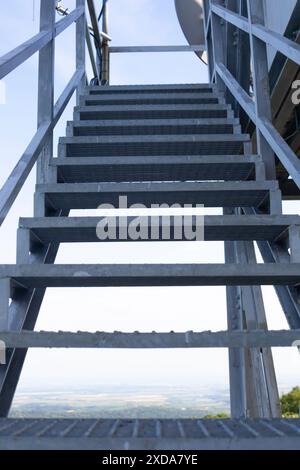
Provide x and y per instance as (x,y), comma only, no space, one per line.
(40,147)
(220,45)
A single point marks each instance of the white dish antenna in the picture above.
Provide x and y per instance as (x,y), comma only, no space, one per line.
(191,18)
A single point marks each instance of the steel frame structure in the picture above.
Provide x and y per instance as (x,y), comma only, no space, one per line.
(235,29)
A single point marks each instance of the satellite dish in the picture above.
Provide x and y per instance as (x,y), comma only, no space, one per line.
(191,18)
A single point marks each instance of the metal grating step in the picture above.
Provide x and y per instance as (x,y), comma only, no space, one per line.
(152,145)
(152,127)
(84,229)
(156,168)
(146,275)
(152,434)
(187,88)
(157,111)
(213,194)
(157,98)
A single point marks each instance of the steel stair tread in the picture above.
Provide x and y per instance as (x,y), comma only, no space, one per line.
(158,159)
(149,340)
(83,229)
(153,138)
(152,145)
(178,122)
(213,194)
(155,168)
(151,126)
(163,111)
(153,88)
(149,434)
(143,107)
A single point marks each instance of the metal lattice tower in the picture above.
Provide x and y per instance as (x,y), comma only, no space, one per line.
(186,144)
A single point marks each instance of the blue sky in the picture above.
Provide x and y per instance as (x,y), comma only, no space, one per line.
(132,22)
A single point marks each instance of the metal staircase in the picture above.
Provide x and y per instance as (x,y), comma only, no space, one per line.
(155,145)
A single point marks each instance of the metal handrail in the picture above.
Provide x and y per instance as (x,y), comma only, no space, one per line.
(143,49)
(287,47)
(40,147)
(257,108)
(94,21)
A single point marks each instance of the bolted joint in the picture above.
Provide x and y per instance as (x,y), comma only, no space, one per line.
(294,243)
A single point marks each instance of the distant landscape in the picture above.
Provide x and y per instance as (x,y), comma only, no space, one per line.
(117,401)
(123,401)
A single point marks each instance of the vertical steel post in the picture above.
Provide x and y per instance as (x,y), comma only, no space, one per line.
(261,86)
(4,304)
(238,58)
(46,86)
(237,376)
(294,241)
(80,47)
(105,48)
